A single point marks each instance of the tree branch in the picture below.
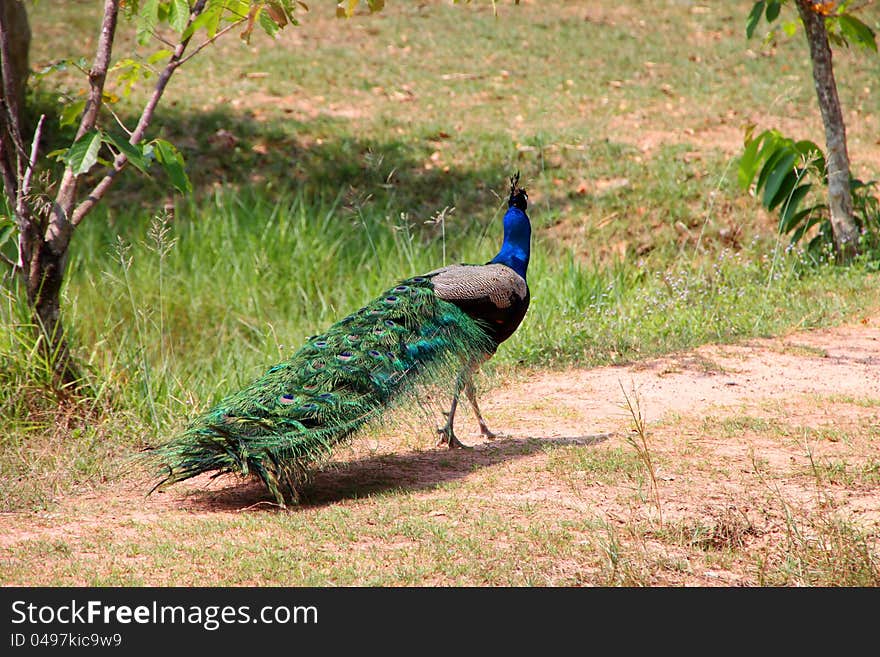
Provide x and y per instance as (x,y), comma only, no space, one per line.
(98,73)
(118,120)
(32,162)
(22,211)
(207,43)
(140,129)
(159,37)
(60,225)
(164,77)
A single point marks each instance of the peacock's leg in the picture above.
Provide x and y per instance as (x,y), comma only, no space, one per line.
(447,435)
(471,393)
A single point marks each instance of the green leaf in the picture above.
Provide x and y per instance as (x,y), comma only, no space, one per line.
(813,155)
(773,144)
(178,15)
(128,73)
(134,154)
(773,8)
(268,24)
(158,56)
(172,161)
(130,8)
(59,154)
(812,215)
(772,157)
(71,113)
(780,169)
(148,17)
(7,229)
(209,19)
(807,148)
(62,65)
(857,32)
(84,153)
(785,188)
(376,5)
(748,163)
(856,184)
(790,28)
(789,210)
(754,17)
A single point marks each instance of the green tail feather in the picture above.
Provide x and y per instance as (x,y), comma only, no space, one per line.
(290,418)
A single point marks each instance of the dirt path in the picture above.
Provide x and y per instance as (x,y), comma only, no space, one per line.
(840,361)
(743,438)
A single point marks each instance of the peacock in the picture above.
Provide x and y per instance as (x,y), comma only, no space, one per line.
(444,323)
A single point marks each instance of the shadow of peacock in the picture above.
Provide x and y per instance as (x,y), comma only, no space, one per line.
(445,323)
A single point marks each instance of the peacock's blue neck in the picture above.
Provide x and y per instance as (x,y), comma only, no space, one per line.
(517,237)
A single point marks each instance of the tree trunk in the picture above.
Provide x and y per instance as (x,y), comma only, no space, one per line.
(45,275)
(41,268)
(843,226)
(14,15)
(14,52)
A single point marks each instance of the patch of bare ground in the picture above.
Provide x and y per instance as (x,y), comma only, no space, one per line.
(726,131)
(765,456)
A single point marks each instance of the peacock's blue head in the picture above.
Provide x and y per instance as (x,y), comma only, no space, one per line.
(517,227)
(517,230)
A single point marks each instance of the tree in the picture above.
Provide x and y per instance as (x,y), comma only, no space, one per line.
(781,156)
(44,230)
(15,52)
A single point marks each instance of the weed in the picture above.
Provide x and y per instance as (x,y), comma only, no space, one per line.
(638,440)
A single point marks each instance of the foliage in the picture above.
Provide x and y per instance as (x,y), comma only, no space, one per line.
(784,172)
(844,28)
(184,20)
(45,217)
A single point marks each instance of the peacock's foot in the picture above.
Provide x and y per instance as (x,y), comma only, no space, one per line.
(489,434)
(447,437)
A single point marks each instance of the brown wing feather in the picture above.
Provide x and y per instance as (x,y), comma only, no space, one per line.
(492,294)
(499,283)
